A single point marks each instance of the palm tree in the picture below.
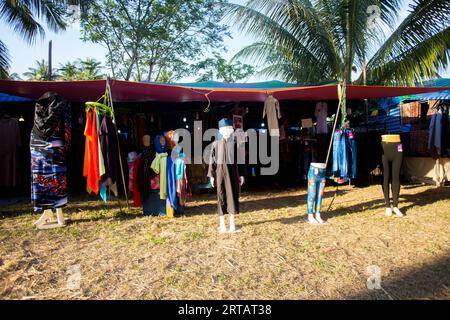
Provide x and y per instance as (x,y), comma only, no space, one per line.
(314,41)
(90,69)
(14,76)
(68,71)
(23,16)
(39,73)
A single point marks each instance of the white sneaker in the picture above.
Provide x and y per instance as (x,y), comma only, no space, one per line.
(319,219)
(398,213)
(312,220)
(389,212)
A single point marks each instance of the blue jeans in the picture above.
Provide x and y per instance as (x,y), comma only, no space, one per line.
(351,144)
(316,187)
(340,166)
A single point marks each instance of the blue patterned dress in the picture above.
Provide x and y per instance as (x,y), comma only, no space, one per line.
(50,140)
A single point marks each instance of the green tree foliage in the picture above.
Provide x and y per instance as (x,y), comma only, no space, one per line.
(217,68)
(24,16)
(151,40)
(314,41)
(40,72)
(88,69)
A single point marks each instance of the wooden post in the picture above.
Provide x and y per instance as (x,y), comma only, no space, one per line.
(366,101)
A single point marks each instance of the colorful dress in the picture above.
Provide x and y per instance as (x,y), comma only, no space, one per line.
(49,142)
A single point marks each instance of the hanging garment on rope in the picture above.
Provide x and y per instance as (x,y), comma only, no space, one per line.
(272,110)
(159,164)
(49,143)
(109,149)
(9,152)
(344,154)
(101,150)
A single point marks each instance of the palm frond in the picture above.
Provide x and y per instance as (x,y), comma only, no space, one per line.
(4,61)
(290,25)
(19,16)
(417,64)
(426,24)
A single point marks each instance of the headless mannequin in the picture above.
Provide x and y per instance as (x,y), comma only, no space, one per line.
(316,192)
(226,133)
(392,153)
(146,141)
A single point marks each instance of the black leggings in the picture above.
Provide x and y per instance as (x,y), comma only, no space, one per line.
(392,153)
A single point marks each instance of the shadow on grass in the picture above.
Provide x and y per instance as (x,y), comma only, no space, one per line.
(271,203)
(430,281)
(418,200)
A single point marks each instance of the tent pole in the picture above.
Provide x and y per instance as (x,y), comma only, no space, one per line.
(108,92)
(341,95)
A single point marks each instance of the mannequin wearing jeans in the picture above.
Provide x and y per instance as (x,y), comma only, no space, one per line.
(392,154)
(316,187)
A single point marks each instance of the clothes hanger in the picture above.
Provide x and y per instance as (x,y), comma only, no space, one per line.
(100,107)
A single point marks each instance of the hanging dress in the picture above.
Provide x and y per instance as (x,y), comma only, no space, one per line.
(49,142)
(91,168)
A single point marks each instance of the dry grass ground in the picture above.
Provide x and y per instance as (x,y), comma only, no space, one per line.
(277,256)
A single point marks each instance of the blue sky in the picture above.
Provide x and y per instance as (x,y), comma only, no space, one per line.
(67,46)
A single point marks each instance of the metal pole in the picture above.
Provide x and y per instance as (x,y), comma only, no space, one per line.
(109,94)
(49,71)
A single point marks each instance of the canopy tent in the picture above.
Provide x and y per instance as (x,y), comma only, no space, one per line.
(125,91)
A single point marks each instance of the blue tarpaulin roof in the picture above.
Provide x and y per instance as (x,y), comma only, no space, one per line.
(4,97)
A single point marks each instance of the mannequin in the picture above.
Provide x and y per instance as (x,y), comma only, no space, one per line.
(226,175)
(316,187)
(49,141)
(392,154)
(146,141)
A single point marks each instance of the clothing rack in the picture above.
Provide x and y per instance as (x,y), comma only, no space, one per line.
(111,104)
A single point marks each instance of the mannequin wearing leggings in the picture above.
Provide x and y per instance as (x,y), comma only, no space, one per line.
(392,154)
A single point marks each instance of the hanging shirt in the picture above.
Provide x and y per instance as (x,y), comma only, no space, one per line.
(321,115)
(272,110)
(159,166)
(110,150)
